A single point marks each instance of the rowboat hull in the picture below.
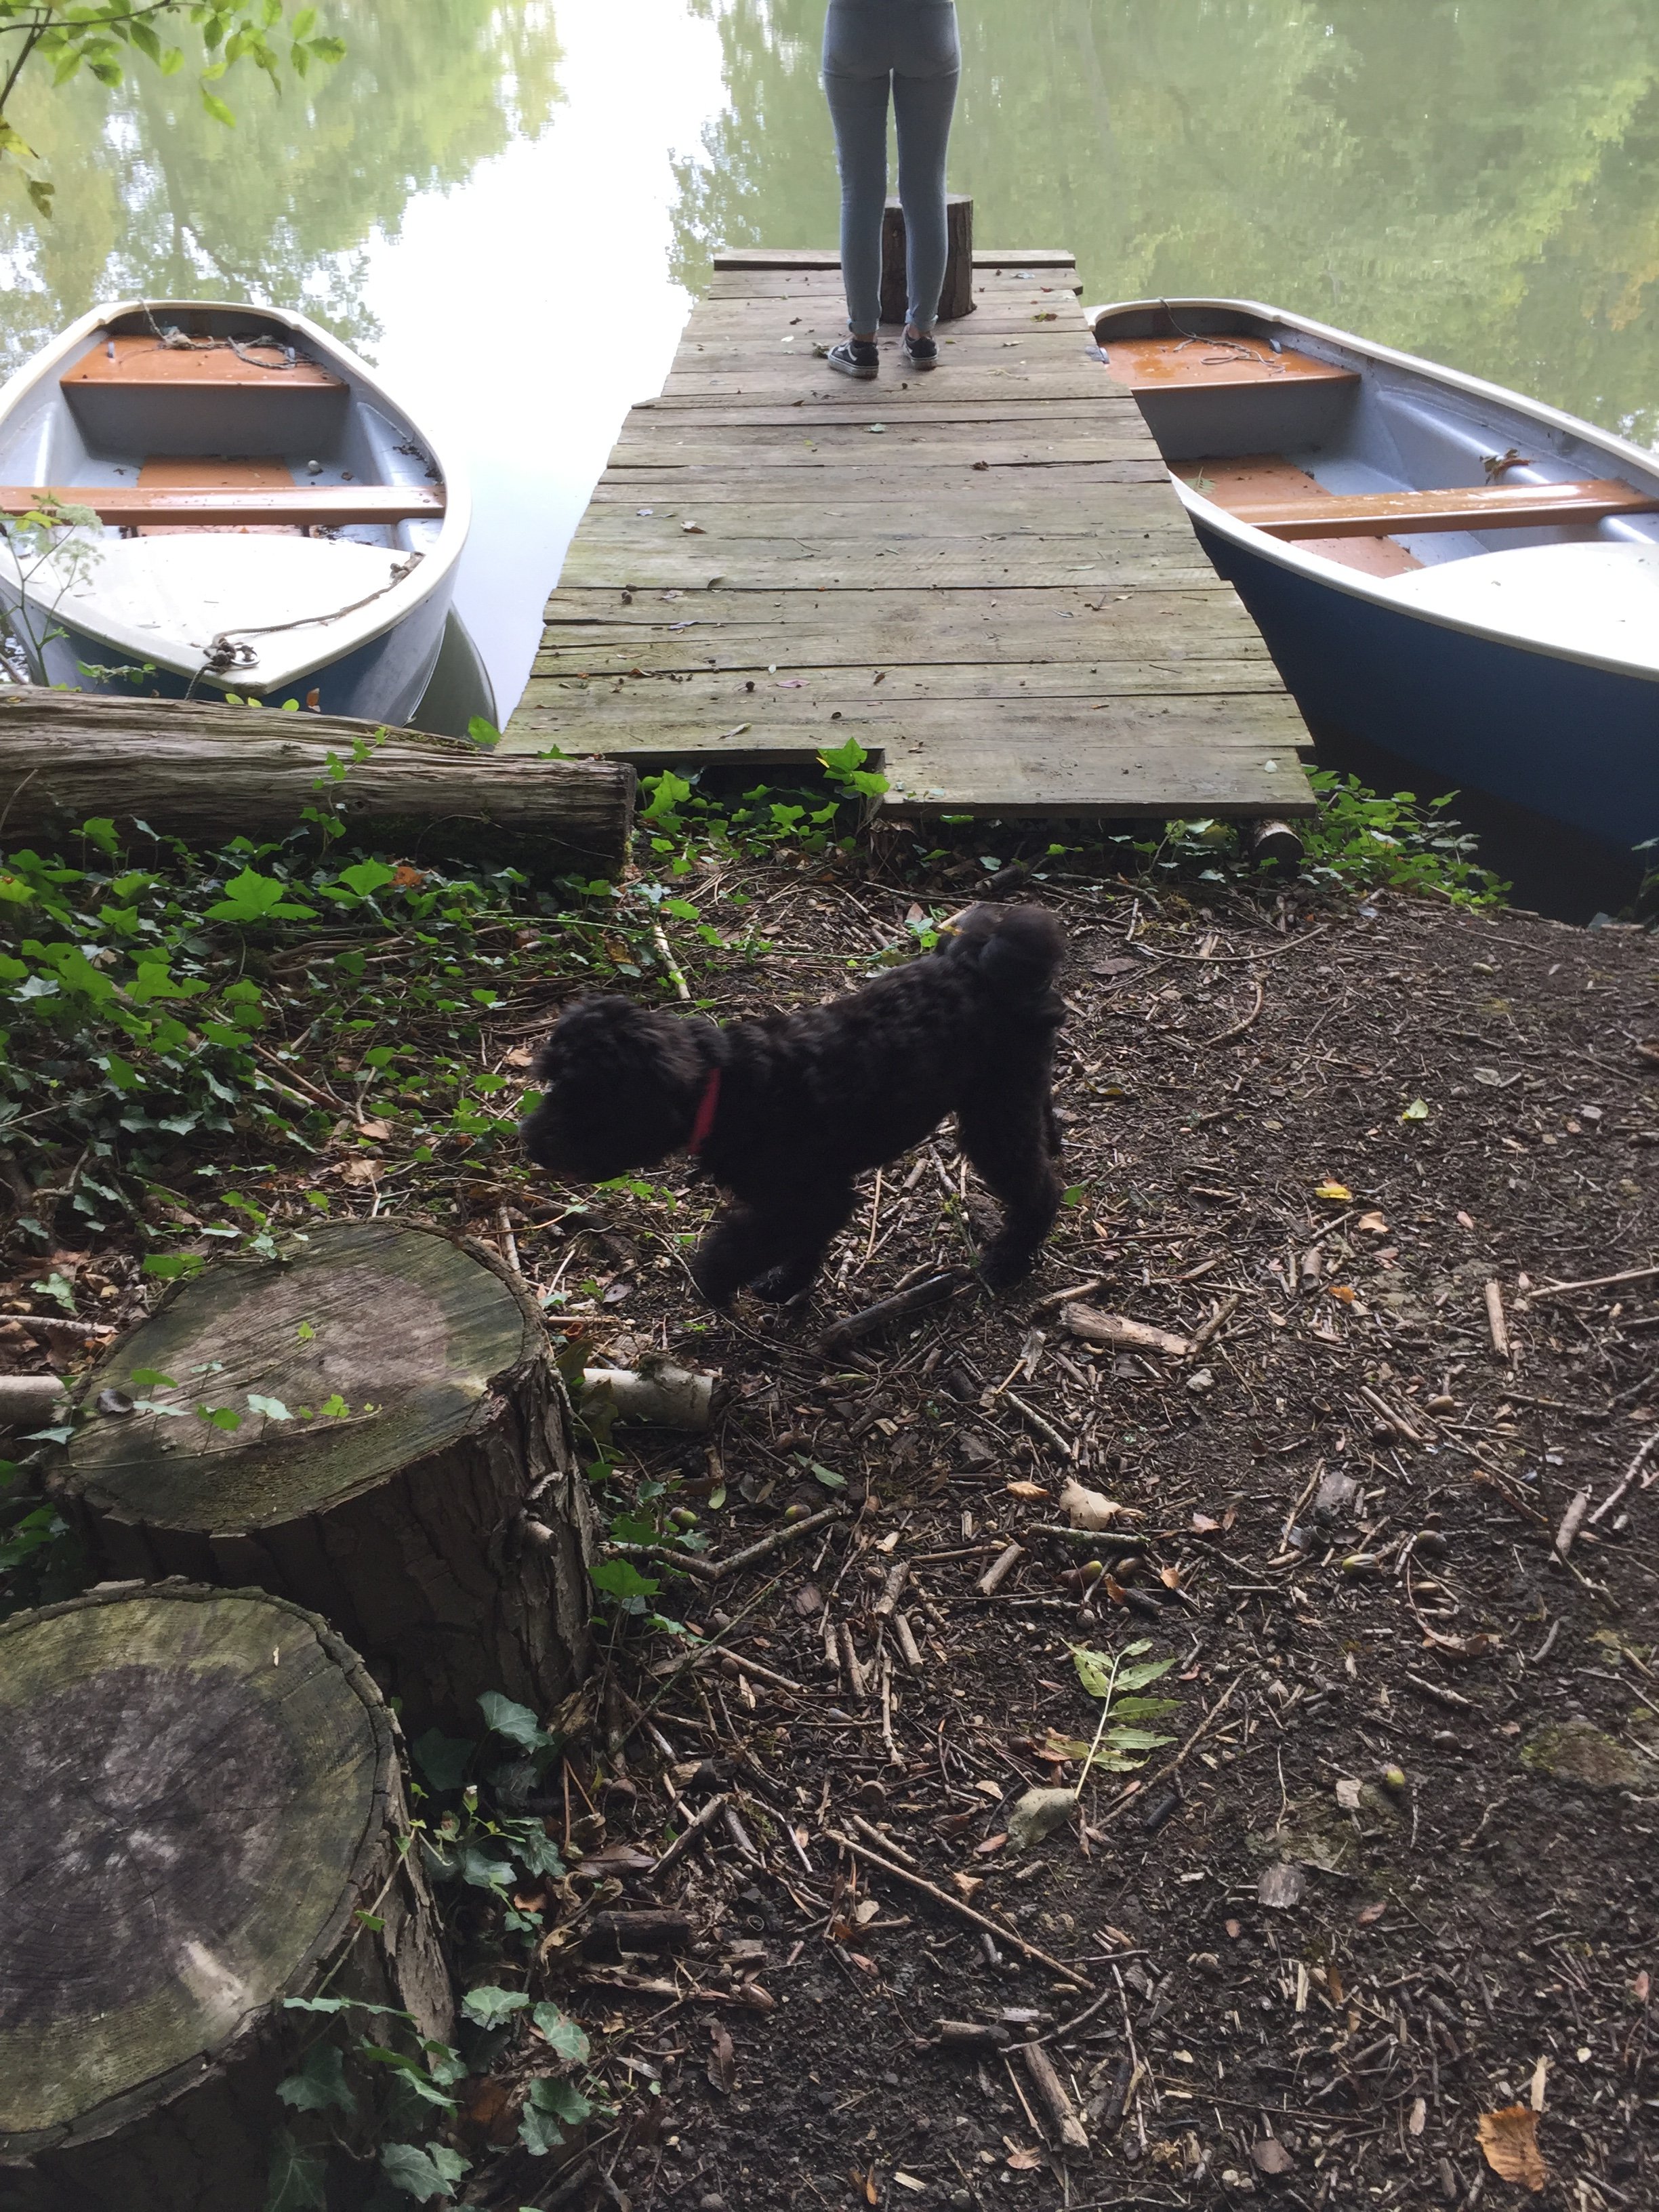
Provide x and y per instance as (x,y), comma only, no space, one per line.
(318,565)
(1522,661)
(1577,744)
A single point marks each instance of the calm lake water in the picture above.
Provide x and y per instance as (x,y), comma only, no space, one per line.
(506,203)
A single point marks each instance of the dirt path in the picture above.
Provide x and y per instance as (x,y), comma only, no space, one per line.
(1404,1876)
(1393,1869)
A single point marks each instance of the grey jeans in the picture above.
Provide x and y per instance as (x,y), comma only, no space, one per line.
(908,48)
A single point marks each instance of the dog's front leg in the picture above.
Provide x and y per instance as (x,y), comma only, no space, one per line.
(1007,1140)
(777,1247)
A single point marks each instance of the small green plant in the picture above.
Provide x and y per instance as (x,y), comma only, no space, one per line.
(55,547)
(1364,842)
(1121,1741)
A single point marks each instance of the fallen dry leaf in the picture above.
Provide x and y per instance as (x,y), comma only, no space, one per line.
(1509,2140)
(1090,1509)
(379,1130)
(722,2060)
(1033,1491)
(1026,2162)
(1339,1191)
(1374,1223)
(1270,2156)
(1369,1915)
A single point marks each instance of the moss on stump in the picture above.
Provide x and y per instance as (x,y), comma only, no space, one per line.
(372,1426)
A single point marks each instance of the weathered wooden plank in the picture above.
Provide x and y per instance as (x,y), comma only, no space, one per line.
(745,258)
(941,405)
(909,456)
(807,695)
(774,385)
(1042,309)
(764,564)
(1246,724)
(686,490)
(619,518)
(749,631)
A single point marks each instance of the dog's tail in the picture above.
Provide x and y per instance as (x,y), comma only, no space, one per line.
(1017,949)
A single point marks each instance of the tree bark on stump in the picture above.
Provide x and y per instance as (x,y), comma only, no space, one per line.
(204,771)
(397,1423)
(957,298)
(200,1800)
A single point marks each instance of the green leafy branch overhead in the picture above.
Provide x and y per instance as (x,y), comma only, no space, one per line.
(99,36)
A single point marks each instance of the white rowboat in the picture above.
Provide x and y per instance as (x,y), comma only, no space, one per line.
(259,515)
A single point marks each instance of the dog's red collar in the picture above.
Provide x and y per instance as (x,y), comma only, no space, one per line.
(708,1105)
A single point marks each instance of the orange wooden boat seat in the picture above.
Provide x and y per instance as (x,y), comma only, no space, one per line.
(262,364)
(1475,508)
(1201,364)
(336,506)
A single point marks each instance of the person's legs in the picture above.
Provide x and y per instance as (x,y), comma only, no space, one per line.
(923,105)
(924,100)
(856,75)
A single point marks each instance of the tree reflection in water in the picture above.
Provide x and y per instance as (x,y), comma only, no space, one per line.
(1477,180)
(155,199)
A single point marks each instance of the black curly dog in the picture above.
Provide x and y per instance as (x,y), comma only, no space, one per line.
(784,1112)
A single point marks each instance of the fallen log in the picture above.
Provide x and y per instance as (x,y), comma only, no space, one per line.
(204,771)
(363,1425)
(201,1817)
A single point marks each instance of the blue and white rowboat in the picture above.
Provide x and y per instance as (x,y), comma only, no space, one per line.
(263,518)
(1439,567)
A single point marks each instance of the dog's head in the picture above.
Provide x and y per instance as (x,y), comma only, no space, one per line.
(622,1090)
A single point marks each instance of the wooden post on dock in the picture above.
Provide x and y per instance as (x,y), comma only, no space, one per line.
(958,297)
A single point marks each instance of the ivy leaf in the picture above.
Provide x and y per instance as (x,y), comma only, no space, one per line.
(272,1408)
(442,1758)
(488,2007)
(516,1723)
(557,2100)
(422,2174)
(297,2179)
(618,1578)
(320,2085)
(169,1266)
(250,896)
(546,2104)
(562,2033)
(367,877)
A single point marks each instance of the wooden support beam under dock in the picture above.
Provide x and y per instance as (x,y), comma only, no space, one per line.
(982,573)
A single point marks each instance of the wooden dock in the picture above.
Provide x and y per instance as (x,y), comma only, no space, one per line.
(982,573)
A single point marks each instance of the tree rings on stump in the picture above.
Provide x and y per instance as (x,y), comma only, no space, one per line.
(372,1426)
(199,1803)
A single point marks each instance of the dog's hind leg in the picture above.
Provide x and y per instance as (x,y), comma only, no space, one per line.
(1009,1140)
(777,1248)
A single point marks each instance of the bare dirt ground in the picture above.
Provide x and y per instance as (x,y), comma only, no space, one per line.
(1393,1869)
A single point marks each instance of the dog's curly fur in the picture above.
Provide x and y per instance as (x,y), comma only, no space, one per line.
(808,1101)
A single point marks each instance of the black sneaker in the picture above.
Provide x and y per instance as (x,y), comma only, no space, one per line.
(855,357)
(920,353)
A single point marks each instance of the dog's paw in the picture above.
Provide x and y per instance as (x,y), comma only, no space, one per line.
(712,1289)
(781,1286)
(1000,1270)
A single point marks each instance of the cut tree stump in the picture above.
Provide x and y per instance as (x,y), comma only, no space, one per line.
(389,1420)
(199,1803)
(204,771)
(957,298)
